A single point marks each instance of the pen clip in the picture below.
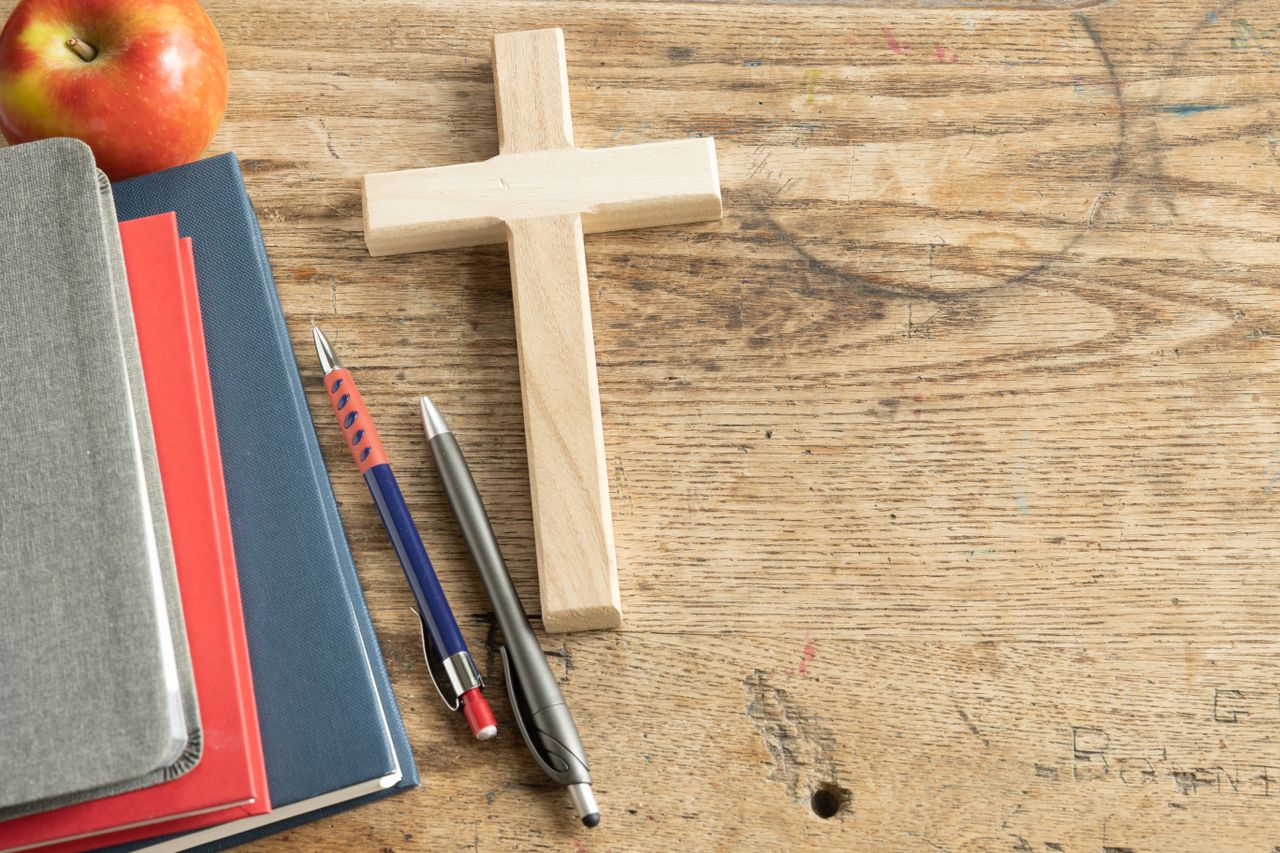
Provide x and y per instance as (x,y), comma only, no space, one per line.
(527,726)
(433,663)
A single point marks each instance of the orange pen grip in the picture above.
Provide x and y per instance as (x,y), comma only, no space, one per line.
(353,417)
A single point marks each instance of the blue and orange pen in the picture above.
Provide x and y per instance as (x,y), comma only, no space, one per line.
(440,629)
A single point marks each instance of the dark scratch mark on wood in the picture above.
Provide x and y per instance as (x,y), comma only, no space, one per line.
(802,748)
(328,140)
(934,843)
(972,728)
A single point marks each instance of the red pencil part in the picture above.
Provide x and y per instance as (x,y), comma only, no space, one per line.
(479,716)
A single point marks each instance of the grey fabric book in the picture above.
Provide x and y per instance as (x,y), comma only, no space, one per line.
(96,689)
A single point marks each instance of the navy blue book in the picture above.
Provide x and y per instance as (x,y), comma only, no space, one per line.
(331,731)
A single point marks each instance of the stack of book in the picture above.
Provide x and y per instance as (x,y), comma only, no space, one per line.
(186,659)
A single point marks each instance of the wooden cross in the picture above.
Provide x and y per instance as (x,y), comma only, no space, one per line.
(539,195)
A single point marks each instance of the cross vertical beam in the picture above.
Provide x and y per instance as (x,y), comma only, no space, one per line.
(564,435)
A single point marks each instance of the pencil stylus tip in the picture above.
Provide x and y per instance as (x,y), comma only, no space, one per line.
(329,360)
(584,803)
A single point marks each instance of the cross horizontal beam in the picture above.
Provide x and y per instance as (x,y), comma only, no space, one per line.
(633,186)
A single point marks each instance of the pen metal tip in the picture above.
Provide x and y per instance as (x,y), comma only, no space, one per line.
(329,360)
(584,803)
(432,421)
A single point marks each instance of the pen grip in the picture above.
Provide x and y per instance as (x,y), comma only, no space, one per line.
(353,417)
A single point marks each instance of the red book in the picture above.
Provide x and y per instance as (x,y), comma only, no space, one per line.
(230,781)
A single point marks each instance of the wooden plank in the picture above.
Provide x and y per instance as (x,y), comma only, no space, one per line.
(531,88)
(568,478)
(631,186)
(564,436)
(922,746)
(1062,243)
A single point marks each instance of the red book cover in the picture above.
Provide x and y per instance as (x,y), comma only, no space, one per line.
(230,780)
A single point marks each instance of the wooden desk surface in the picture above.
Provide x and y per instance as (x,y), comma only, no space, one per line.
(945,469)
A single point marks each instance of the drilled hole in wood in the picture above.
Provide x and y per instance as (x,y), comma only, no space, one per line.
(829,800)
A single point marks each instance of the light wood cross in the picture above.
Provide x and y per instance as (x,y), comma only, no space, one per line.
(539,195)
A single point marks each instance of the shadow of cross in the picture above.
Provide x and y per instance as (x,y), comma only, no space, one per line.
(539,195)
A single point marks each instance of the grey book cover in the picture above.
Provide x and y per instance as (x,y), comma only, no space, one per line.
(96,690)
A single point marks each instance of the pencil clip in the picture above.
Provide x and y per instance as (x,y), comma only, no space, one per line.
(433,663)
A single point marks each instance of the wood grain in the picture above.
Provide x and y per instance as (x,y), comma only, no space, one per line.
(563,431)
(611,189)
(531,90)
(564,437)
(943,468)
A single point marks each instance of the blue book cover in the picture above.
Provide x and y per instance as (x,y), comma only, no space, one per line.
(331,730)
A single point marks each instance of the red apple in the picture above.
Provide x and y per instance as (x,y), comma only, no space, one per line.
(143,82)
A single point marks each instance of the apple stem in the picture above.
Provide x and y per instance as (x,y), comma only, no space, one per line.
(84,50)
